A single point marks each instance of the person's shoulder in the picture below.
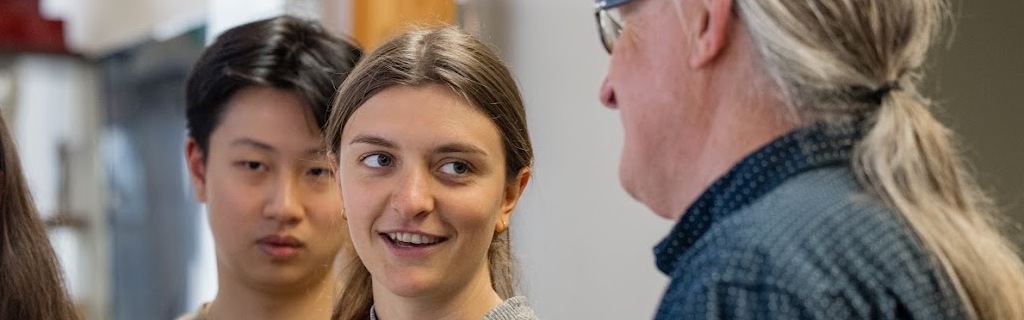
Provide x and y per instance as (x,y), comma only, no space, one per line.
(818,210)
(820,243)
(514,308)
(814,232)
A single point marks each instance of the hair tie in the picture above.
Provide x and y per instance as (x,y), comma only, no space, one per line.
(875,97)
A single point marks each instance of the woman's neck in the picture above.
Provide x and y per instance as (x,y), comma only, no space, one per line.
(238,300)
(471,302)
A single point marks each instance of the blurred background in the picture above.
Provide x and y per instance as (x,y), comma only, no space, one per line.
(93,90)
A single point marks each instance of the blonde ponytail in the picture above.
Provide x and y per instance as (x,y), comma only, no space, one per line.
(909,160)
(824,55)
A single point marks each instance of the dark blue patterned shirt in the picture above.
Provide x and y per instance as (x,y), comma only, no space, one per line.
(789,234)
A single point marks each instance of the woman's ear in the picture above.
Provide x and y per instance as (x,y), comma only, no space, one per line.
(195,160)
(332,159)
(513,190)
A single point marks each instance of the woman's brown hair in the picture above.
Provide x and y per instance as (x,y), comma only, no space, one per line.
(454,59)
(31,282)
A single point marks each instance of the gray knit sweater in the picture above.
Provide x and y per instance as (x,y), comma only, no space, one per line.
(514,308)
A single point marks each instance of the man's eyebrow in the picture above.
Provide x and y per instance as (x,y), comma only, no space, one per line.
(253,143)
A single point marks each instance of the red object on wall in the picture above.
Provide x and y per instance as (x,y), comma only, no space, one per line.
(24,29)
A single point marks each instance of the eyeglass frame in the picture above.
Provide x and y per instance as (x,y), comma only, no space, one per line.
(609,34)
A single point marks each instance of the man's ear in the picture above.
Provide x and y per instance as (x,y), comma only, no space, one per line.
(196,161)
(512,193)
(714,21)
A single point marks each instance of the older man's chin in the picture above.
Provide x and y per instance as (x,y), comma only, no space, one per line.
(644,192)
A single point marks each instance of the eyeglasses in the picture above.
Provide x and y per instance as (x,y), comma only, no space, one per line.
(609,22)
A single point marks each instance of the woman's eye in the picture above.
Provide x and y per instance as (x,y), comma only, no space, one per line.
(377,160)
(455,168)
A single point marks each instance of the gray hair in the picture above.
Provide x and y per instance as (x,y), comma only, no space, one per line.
(858,62)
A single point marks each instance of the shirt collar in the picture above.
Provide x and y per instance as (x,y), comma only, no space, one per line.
(798,151)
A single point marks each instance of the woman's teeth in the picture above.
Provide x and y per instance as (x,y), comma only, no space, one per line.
(412,238)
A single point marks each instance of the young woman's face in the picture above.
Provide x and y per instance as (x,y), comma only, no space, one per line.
(422,175)
(273,206)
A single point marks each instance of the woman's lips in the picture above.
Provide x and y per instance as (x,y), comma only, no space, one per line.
(411,244)
(413,239)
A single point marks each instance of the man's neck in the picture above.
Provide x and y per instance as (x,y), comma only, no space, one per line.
(473,301)
(732,139)
(746,110)
(237,300)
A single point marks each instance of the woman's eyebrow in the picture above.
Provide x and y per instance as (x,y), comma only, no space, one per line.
(374,140)
(457,147)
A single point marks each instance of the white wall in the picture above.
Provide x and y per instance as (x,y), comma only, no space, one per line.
(584,244)
(98,27)
(226,14)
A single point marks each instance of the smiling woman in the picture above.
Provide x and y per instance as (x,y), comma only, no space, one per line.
(433,154)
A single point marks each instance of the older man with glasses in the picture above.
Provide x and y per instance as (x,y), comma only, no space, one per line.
(807,175)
